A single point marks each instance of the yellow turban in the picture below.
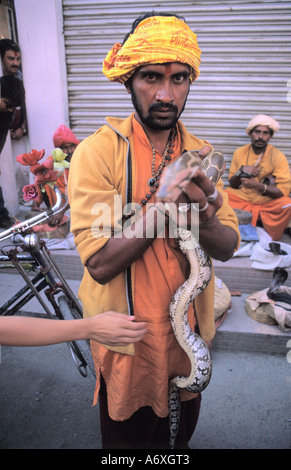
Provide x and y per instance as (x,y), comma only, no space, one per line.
(156,40)
(262,120)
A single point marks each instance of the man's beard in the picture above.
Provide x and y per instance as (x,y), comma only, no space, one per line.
(260,144)
(157,123)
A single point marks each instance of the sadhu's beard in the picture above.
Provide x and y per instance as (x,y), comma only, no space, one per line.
(257,143)
(154,122)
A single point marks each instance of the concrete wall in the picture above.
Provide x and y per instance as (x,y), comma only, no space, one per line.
(41,41)
(44,70)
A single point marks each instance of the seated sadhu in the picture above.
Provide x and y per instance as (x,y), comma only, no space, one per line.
(259,178)
(65,139)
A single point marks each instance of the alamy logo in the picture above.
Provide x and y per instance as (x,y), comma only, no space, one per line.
(117,221)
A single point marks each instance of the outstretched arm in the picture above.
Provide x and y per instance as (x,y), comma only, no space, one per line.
(111,328)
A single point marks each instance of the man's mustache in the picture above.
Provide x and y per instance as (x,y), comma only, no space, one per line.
(163,106)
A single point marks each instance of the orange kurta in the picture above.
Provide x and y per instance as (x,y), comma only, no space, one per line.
(134,374)
(158,274)
(62,183)
(274,213)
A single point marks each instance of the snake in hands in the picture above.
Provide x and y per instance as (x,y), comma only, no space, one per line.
(174,176)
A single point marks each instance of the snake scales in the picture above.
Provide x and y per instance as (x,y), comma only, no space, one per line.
(175,175)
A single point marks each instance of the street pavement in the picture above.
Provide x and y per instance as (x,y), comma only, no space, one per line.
(46,404)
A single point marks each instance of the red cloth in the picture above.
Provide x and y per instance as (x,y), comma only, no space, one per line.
(64,135)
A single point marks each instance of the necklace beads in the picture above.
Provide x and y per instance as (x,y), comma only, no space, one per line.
(153,182)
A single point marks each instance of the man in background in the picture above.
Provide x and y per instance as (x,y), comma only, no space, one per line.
(65,139)
(259,178)
(11,63)
(11,95)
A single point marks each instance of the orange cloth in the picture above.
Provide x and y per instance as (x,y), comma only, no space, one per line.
(274,217)
(97,175)
(62,183)
(156,40)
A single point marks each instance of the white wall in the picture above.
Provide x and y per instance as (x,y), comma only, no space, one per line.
(44,71)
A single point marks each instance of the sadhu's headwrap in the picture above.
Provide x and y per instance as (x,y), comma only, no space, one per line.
(156,40)
(64,135)
(262,120)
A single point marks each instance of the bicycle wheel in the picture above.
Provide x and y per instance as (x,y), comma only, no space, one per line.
(80,349)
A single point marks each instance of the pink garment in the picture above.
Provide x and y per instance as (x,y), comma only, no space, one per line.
(64,135)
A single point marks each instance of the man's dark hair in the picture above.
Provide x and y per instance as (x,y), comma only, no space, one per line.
(145,15)
(12,89)
(8,45)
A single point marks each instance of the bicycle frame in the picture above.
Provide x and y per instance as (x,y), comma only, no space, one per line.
(35,256)
(38,258)
(27,224)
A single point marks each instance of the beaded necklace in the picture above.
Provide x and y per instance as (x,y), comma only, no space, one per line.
(154,181)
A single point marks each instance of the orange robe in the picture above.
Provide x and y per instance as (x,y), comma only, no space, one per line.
(274,214)
(62,183)
(157,271)
(136,375)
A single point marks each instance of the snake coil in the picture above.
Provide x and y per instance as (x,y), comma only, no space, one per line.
(200,274)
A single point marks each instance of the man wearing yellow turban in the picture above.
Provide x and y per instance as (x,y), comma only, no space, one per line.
(259,178)
(128,268)
(157,40)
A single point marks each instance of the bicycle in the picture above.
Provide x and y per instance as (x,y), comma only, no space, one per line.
(31,255)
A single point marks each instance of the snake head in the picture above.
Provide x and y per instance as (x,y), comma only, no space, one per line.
(177,175)
(213,166)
